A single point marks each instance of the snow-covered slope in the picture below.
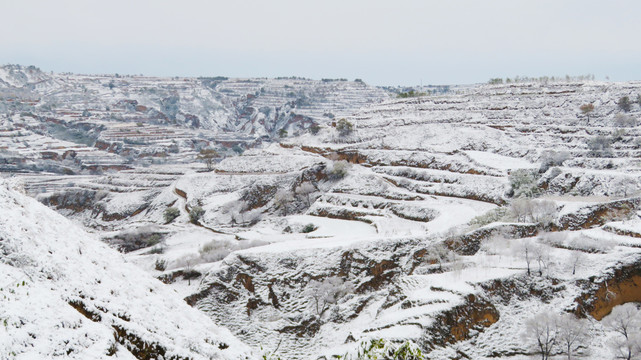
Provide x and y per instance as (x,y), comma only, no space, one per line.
(409,227)
(65,294)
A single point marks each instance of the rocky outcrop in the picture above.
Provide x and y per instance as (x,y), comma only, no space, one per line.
(457,324)
(622,285)
(470,243)
(597,215)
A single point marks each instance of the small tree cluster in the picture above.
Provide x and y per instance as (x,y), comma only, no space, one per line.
(314,129)
(160,264)
(328,292)
(536,211)
(626,322)
(411,94)
(552,333)
(542,79)
(344,127)
(534,252)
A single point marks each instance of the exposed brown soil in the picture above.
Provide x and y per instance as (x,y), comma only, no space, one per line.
(622,286)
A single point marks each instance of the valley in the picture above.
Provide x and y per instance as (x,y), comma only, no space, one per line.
(305,218)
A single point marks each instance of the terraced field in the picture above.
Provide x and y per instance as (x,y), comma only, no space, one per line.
(413,226)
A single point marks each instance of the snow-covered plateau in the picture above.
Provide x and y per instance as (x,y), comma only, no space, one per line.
(188,218)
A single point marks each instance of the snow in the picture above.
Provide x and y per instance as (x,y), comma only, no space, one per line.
(500,162)
(60,263)
(421,169)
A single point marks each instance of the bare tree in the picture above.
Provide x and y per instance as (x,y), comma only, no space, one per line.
(576,258)
(626,321)
(282,199)
(572,334)
(208,156)
(527,254)
(542,256)
(543,331)
(187,263)
(521,209)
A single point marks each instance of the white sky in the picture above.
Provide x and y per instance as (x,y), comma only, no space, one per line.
(402,42)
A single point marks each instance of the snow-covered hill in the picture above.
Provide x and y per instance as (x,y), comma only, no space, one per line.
(64,294)
(450,220)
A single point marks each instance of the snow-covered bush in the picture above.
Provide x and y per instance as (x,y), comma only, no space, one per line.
(381,349)
(523,183)
(600,146)
(305,190)
(160,264)
(195,213)
(214,250)
(252,217)
(239,214)
(624,120)
(591,245)
(624,103)
(171,214)
(308,228)
(338,170)
(625,186)
(137,238)
(438,254)
(282,200)
(551,158)
(494,215)
(217,250)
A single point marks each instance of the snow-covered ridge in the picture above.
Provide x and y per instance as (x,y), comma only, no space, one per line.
(64,293)
(415,201)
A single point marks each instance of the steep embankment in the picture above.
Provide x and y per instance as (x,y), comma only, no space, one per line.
(64,293)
